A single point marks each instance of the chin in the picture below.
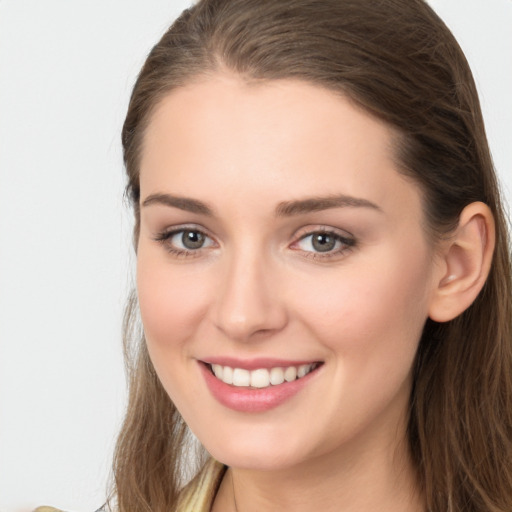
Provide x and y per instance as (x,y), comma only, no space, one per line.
(255,461)
(261,454)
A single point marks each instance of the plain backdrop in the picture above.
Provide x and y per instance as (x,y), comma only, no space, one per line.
(66,70)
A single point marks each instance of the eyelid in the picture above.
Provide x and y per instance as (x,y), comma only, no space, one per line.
(165,236)
(348,241)
(172,230)
(322,228)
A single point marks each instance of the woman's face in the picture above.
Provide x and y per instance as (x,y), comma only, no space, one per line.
(278,237)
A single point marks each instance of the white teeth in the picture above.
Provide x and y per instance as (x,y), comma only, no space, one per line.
(217,370)
(276,376)
(227,375)
(303,370)
(260,378)
(241,377)
(290,373)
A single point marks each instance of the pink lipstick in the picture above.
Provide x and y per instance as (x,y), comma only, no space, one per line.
(257,385)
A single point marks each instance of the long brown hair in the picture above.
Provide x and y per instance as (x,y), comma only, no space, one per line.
(399,61)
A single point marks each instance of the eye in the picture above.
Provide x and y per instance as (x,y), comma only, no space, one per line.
(184,242)
(324,243)
(319,242)
(189,239)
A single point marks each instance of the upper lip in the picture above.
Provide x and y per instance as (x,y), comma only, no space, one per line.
(257,363)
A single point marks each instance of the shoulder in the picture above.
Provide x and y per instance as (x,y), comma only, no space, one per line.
(199,493)
(53,509)
(196,496)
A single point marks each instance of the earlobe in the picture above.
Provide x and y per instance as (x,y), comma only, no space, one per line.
(466,259)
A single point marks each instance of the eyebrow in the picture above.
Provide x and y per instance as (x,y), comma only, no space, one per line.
(183,203)
(315,204)
(283,209)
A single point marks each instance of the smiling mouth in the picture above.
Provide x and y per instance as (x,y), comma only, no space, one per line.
(261,378)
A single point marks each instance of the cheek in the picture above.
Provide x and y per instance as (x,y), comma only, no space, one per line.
(172,304)
(171,301)
(370,308)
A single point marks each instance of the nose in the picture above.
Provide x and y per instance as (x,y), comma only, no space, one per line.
(248,305)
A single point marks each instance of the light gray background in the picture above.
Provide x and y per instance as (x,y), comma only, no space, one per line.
(66,70)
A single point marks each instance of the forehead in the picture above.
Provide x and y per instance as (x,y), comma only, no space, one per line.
(271,139)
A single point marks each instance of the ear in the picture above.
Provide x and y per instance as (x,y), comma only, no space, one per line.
(465,263)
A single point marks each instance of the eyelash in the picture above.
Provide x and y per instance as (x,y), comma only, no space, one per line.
(347,243)
(165,239)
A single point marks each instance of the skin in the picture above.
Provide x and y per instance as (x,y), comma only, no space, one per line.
(257,288)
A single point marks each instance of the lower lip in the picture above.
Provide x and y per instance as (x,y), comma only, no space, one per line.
(245,399)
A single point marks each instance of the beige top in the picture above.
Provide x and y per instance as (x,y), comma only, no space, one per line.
(197,495)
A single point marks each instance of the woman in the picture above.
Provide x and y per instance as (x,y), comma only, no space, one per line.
(323,271)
